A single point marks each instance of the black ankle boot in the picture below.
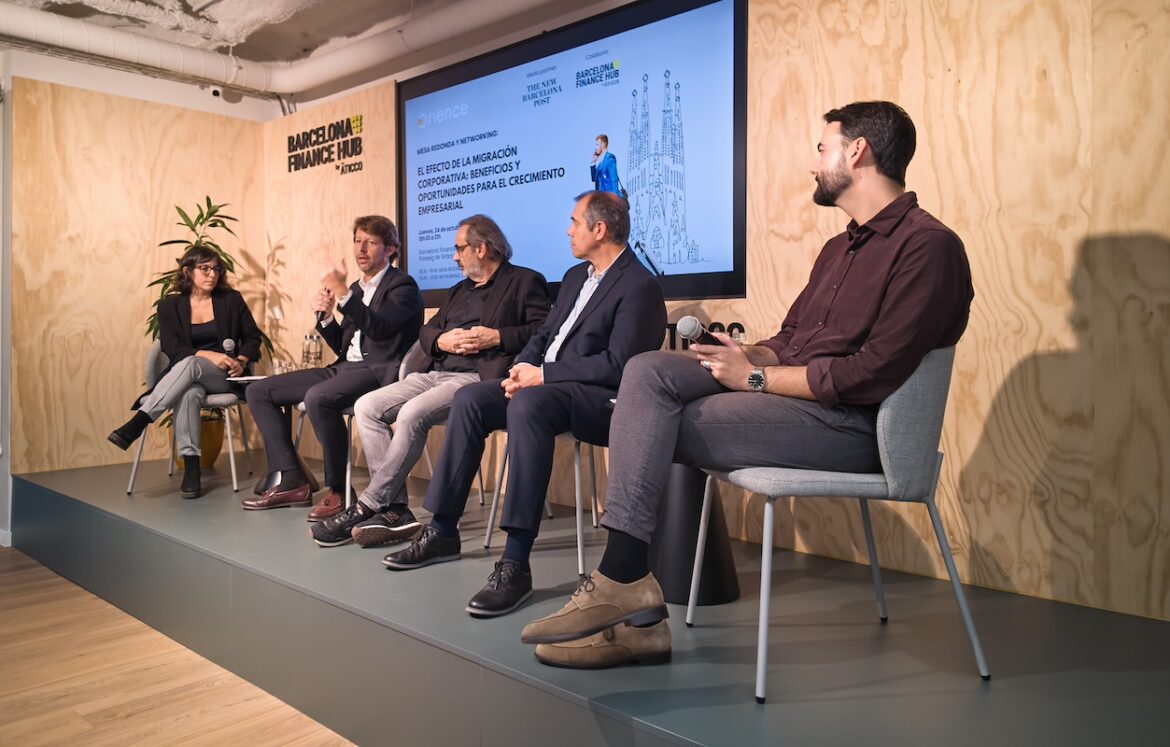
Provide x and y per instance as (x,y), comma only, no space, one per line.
(130,431)
(190,487)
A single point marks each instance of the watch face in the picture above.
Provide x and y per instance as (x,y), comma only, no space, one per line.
(756,381)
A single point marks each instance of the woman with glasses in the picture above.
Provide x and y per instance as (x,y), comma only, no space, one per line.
(207,334)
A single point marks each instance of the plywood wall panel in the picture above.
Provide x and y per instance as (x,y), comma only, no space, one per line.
(310,211)
(95,181)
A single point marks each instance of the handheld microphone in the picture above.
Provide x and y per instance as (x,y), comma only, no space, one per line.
(692,330)
(229,348)
(321,317)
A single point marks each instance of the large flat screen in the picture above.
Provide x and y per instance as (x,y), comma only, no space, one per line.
(516,135)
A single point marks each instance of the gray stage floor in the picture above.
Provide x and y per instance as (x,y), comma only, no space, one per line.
(1060,674)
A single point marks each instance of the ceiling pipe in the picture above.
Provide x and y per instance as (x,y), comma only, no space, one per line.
(49,30)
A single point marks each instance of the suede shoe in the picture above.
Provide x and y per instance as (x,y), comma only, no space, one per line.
(428,548)
(336,530)
(330,505)
(277,498)
(620,644)
(508,587)
(597,604)
(395,524)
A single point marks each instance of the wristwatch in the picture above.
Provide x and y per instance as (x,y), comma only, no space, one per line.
(756,380)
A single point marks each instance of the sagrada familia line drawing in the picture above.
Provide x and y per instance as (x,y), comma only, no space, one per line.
(656,180)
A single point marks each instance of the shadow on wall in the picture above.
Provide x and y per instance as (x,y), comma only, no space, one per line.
(1065,495)
(276,301)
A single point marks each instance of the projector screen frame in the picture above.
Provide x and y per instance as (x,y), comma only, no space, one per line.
(692,286)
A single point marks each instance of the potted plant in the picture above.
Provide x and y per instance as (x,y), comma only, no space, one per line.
(208,217)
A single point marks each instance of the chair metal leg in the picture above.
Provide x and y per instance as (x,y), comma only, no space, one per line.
(593,480)
(348,500)
(134,466)
(227,414)
(960,597)
(700,548)
(579,512)
(244,438)
(765,600)
(427,456)
(171,461)
(479,474)
(300,427)
(875,569)
(487,537)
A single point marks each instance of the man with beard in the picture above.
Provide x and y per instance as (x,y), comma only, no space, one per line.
(891,288)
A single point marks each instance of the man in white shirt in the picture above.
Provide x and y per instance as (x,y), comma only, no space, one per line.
(381,314)
(609,309)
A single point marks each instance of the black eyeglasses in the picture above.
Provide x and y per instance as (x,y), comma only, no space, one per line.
(210,269)
(461,247)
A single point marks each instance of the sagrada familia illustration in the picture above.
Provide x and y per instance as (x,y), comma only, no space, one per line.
(656,181)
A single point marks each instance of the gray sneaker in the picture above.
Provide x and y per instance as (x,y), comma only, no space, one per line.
(395,524)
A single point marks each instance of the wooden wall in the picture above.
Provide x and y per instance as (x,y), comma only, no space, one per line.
(95,179)
(1040,142)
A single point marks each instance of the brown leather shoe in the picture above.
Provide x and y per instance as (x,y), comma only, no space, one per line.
(329,507)
(275,498)
(597,604)
(621,644)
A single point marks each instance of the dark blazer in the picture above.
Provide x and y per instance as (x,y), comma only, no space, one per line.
(517,303)
(389,325)
(233,320)
(625,316)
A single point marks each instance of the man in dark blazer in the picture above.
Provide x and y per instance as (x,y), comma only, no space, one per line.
(487,319)
(609,309)
(381,315)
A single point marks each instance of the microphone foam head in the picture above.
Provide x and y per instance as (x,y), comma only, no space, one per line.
(229,345)
(688,327)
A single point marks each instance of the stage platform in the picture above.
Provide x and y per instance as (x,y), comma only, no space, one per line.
(392,658)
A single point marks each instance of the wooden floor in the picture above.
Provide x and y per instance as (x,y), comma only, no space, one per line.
(76,670)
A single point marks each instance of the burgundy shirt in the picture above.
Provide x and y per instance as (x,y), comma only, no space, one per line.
(879,298)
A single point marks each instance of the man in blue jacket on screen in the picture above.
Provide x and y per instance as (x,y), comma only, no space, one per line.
(609,309)
(603,168)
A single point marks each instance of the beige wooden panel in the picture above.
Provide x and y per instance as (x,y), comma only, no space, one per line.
(95,179)
(1000,94)
(310,211)
(1127,262)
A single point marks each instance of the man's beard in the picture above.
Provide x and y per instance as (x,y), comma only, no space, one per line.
(830,185)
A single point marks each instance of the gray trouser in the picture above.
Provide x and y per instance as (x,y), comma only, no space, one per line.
(183,390)
(416,403)
(670,409)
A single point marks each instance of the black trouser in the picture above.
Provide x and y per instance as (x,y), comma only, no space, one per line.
(534,416)
(326,392)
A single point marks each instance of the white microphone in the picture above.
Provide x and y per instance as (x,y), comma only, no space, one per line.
(229,348)
(692,330)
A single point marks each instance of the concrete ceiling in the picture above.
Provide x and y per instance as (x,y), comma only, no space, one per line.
(257,30)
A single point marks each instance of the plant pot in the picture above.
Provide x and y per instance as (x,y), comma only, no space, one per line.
(210,444)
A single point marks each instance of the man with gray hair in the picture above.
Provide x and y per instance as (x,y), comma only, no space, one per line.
(486,321)
(609,309)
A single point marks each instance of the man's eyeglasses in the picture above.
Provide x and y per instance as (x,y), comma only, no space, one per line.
(461,247)
(209,269)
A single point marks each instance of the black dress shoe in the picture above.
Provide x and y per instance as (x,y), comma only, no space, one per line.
(507,588)
(428,548)
(129,432)
(337,529)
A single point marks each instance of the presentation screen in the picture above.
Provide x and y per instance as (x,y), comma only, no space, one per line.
(646,101)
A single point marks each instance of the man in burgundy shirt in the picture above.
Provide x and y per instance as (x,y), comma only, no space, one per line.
(891,288)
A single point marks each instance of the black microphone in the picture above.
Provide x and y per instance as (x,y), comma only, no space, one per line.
(692,330)
(321,317)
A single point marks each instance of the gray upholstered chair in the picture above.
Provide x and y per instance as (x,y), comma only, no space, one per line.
(156,363)
(909,425)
